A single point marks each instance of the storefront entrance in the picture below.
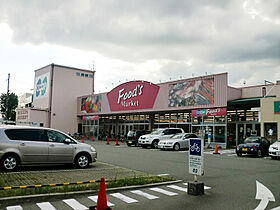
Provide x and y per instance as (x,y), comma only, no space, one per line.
(212,134)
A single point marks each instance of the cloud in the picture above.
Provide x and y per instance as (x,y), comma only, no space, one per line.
(156,40)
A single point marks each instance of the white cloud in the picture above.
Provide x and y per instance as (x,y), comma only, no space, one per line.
(147,40)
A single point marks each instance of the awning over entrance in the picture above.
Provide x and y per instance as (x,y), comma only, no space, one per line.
(246,102)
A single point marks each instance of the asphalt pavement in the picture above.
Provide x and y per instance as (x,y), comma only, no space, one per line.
(232,182)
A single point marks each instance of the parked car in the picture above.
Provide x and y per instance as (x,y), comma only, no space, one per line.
(274,150)
(253,145)
(21,145)
(176,142)
(155,136)
(133,136)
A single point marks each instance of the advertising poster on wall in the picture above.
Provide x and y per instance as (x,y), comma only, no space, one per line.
(91,104)
(191,93)
(41,86)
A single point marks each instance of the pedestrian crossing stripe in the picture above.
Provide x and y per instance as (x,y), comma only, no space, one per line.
(94,199)
(183,189)
(143,194)
(46,206)
(76,205)
(156,189)
(124,198)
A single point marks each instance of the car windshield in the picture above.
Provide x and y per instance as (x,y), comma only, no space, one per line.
(252,140)
(156,132)
(131,133)
(177,136)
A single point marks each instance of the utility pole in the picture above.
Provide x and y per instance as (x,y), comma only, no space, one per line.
(7,98)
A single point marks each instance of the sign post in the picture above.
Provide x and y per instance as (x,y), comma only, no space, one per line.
(196,166)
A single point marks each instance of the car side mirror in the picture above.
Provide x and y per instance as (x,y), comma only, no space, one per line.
(67,141)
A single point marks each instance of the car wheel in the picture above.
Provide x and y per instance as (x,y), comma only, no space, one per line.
(239,154)
(155,144)
(176,147)
(259,154)
(82,161)
(10,163)
(128,145)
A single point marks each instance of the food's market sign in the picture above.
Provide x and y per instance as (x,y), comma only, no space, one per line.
(132,96)
(209,112)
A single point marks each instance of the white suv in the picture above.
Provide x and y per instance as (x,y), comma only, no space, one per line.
(153,138)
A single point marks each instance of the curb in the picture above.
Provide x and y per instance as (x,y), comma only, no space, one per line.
(48,197)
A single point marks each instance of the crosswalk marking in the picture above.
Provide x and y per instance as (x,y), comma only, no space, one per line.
(94,198)
(156,189)
(124,198)
(205,187)
(184,189)
(146,195)
(46,206)
(75,204)
(14,208)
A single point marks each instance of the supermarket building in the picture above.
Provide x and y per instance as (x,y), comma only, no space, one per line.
(204,105)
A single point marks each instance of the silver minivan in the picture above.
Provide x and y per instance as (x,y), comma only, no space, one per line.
(22,145)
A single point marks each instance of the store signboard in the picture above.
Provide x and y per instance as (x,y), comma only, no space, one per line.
(133,96)
(277,107)
(41,86)
(196,157)
(209,112)
(94,117)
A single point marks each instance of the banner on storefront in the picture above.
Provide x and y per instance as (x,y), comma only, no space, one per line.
(133,96)
(95,117)
(191,93)
(209,112)
(91,104)
(277,107)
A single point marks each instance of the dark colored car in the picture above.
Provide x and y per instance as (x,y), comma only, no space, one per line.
(254,145)
(133,136)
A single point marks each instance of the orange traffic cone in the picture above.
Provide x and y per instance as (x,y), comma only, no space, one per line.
(83,140)
(102,199)
(216,150)
(92,139)
(107,141)
(117,142)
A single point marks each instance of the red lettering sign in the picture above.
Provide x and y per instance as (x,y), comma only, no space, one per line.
(209,112)
(132,96)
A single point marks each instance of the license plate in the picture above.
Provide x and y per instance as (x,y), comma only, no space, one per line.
(245,149)
(130,142)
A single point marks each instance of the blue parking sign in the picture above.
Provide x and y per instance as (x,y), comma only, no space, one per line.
(196,157)
(195,147)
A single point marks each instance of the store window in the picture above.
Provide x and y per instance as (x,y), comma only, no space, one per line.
(270,131)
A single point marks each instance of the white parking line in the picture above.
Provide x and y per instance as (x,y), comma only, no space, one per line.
(14,208)
(232,155)
(165,192)
(184,189)
(163,174)
(94,198)
(75,204)
(45,206)
(146,195)
(205,187)
(124,198)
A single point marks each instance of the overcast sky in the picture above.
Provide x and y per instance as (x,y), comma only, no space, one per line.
(153,40)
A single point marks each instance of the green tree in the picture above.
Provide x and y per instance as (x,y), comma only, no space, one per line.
(9,103)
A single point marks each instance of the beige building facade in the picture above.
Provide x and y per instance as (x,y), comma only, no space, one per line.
(56,89)
(270,117)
